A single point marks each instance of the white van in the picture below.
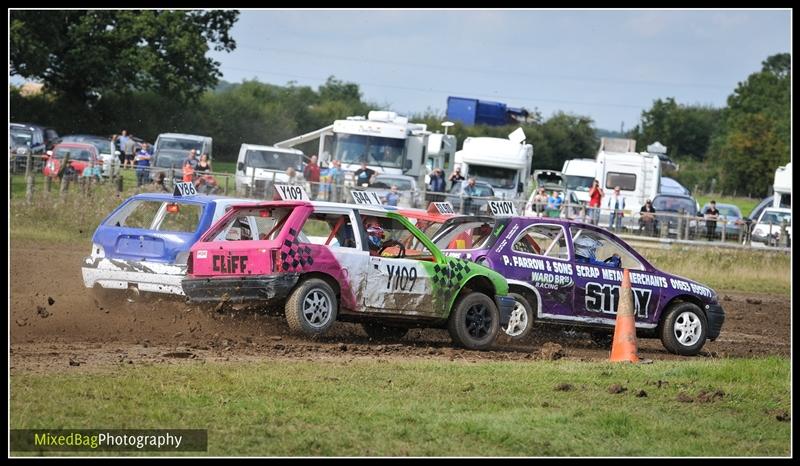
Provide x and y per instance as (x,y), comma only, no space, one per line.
(579,174)
(266,165)
(637,174)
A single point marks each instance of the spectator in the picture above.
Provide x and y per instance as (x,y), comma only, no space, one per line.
(712,215)
(311,174)
(554,204)
(94,171)
(189,165)
(325,182)
(291,175)
(456,177)
(617,203)
(539,202)
(470,191)
(595,201)
(337,179)
(204,171)
(130,151)
(647,220)
(121,141)
(393,196)
(142,163)
(437,185)
(363,175)
(117,150)
(159,182)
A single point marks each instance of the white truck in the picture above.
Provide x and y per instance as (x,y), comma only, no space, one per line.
(579,174)
(638,174)
(782,187)
(259,167)
(387,142)
(503,163)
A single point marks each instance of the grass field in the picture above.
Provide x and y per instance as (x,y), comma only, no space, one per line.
(432,408)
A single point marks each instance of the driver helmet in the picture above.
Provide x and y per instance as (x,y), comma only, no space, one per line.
(586,247)
(375,236)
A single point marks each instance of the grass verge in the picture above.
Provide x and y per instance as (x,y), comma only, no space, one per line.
(399,408)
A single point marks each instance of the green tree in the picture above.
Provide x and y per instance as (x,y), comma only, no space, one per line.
(86,53)
(755,133)
(686,130)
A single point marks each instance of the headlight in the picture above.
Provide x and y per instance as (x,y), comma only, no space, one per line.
(97,251)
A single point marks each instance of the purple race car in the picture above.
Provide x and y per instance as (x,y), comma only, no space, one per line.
(569,273)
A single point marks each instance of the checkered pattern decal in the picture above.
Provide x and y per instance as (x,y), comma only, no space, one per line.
(447,277)
(293,255)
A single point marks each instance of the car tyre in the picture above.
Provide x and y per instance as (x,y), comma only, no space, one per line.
(521,321)
(380,332)
(311,308)
(474,321)
(684,329)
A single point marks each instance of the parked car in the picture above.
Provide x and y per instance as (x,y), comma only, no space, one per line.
(105,149)
(474,204)
(81,155)
(22,141)
(406,185)
(569,273)
(733,221)
(674,209)
(767,229)
(143,244)
(327,261)
(766,202)
(171,149)
(48,135)
(670,186)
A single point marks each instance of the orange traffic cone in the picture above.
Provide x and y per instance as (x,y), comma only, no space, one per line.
(624,346)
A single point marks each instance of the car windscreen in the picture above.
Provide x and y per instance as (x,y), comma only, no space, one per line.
(170,160)
(482,190)
(184,145)
(20,137)
(499,177)
(674,204)
(158,216)
(273,160)
(579,183)
(74,153)
(726,211)
(775,218)
(466,235)
(103,146)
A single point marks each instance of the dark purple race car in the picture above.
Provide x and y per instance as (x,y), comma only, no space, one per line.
(569,273)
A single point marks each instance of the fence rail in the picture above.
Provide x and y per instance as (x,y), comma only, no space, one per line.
(666,227)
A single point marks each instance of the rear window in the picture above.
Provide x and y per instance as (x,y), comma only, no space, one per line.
(625,181)
(674,204)
(272,160)
(158,216)
(466,235)
(74,153)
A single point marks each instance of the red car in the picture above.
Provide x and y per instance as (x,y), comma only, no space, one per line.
(80,156)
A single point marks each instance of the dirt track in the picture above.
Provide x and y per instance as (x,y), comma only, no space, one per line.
(56,325)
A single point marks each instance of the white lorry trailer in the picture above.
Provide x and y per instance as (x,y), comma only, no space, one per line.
(387,142)
(579,174)
(638,174)
(503,163)
(782,187)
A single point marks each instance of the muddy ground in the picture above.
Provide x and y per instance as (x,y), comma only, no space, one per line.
(56,325)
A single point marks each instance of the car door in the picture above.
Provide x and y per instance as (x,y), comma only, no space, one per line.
(597,285)
(397,284)
(536,255)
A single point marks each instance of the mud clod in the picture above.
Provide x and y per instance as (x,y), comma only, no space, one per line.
(641,394)
(564,387)
(683,397)
(552,351)
(42,312)
(616,389)
(50,301)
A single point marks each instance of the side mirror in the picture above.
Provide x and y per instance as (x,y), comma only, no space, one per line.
(240,166)
(408,165)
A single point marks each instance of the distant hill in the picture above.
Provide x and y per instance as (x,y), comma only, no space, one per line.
(223,86)
(607,133)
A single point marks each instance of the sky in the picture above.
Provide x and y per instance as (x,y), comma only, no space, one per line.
(607,65)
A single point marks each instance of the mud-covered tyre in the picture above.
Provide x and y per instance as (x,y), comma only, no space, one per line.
(474,321)
(311,308)
(521,322)
(380,332)
(684,329)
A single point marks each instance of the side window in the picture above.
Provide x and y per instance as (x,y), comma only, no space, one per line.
(542,240)
(391,239)
(604,248)
(334,230)
(181,217)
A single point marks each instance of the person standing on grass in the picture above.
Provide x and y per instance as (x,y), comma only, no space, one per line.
(595,201)
(712,215)
(130,151)
(617,203)
(142,163)
(311,173)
